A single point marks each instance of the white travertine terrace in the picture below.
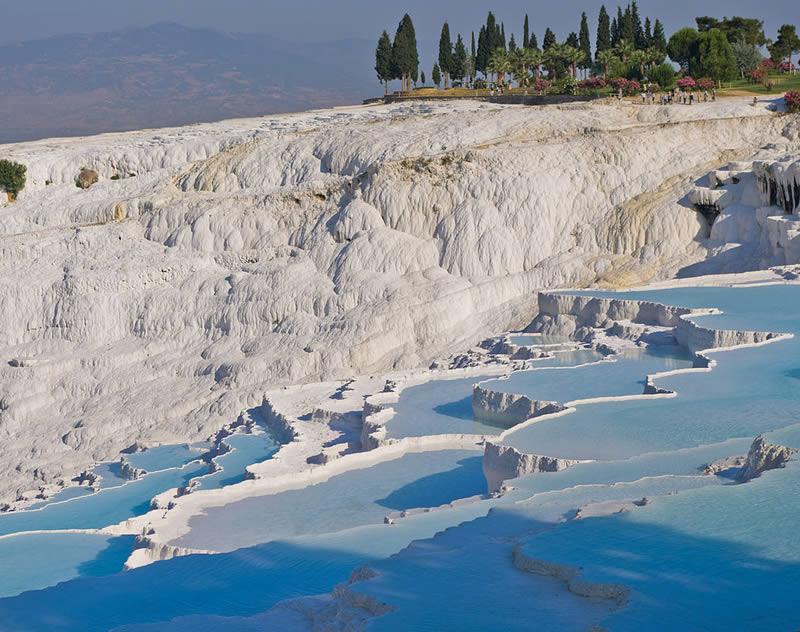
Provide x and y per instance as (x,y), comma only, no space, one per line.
(214,262)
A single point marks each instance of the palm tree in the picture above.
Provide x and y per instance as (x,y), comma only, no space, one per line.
(499,64)
(624,50)
(533,59)
(519,65)
(605,58)
(639,59)
(654,56)
(573,56)
(553,57)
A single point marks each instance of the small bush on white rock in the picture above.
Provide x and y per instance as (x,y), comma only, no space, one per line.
(12,177)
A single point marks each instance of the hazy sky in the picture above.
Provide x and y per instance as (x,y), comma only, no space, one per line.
(325,20)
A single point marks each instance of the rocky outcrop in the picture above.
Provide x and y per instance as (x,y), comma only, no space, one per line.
(508,409)
(503,463)
(130,472)
(571,576)
(762,457)
(696,337)
(588,311)
(86,178)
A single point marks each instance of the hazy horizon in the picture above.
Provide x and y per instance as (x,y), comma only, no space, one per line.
(73,69)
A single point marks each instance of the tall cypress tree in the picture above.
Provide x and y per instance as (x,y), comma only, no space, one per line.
(648,33)
(614,33)
(525,33)
(482,56)
(405,58)
(472,54)
(572,40)
(620,19)
(636,23)
(446,54)
(502,35)
(383,60)
(659,39)
(627,28)
(512,44)
(603,31)
(584,42)
(459,60)
(533,42)
(549,39)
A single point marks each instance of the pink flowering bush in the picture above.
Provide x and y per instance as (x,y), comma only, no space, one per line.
(792,99)
(787,66)
(686,83)
(628,87)
(705,84)
(541,85)
(592,83)
(619,83)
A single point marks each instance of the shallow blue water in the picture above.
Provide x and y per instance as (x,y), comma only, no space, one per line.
(35,561)
(719,556)
(437,407)
(623,376)
(347,500)
(106,507)
(247,449)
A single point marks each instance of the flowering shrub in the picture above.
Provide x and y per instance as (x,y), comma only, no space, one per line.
(619,83)
(787,66)
(705,84)
(759,75)
(686,83)
(634,87)
(592,83)
(628,88)
(541,85)
(767,64)
(792,99)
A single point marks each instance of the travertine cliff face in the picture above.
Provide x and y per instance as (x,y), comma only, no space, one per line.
(211,261)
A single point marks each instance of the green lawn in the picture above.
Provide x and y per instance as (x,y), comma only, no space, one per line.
(783,83)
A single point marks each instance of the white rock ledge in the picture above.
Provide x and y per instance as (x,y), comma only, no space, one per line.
(503,463)
(508,409)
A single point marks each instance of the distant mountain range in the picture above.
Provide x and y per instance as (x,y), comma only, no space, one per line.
(168,74)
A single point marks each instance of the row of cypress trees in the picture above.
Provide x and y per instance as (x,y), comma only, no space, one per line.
(399,59)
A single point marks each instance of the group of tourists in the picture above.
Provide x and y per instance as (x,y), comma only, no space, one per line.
(677,96)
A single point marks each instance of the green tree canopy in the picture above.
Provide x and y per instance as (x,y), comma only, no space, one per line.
(512,44)
(683,46)
(747,56)
(383,60)
(735,28)
(603,31)
(716,57)
(436,75)
(533,43)
(786,45)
